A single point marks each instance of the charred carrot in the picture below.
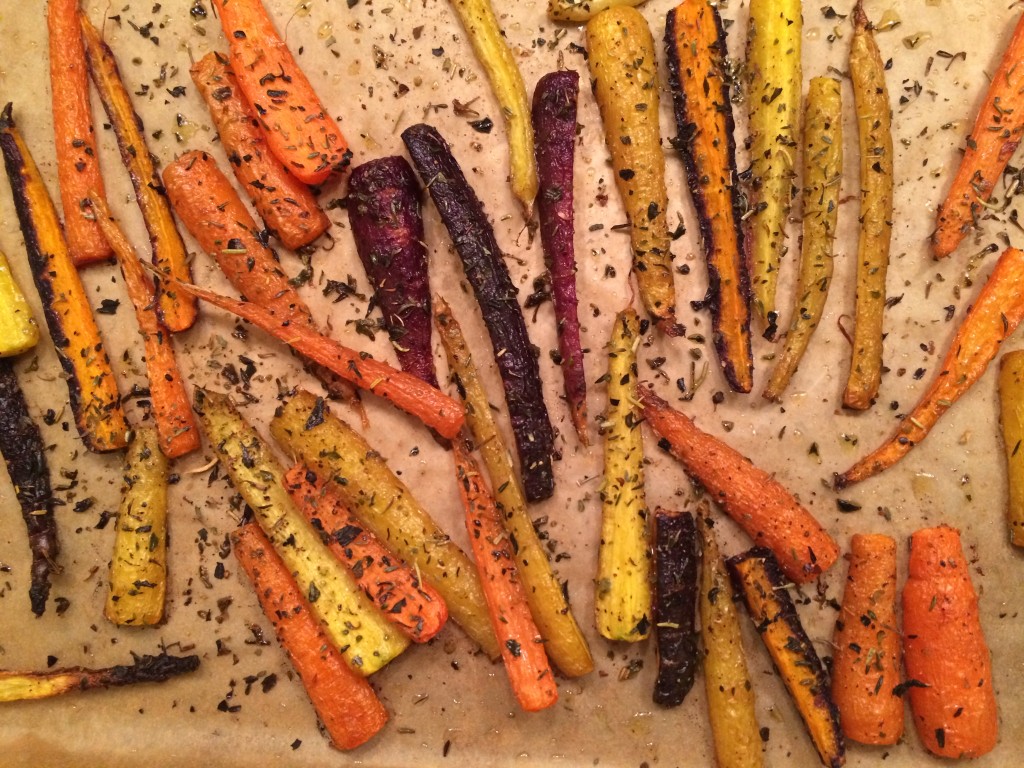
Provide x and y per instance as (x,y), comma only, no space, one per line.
(949,668)
(998,310)
(347,706)
(522,647)
(993,141)
(299,131)
(175,424)
(695,39)
(866,659)
(675,605)
(417,608)
(169,256)
(91,384)
(78,169)
(749,495)
(286,205)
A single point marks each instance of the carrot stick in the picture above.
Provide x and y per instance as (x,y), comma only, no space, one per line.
(993,141)
(998,310)
(169,255)
(78,169)
(522,647)
(175,424)
(866,660)
(414,607)
(347,706)
(412,395)
(949,669)
(285,204)
(298,129)
(749,495)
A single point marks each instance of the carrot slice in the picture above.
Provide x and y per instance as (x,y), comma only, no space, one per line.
(998,310)
(993,141)
(866,660)
(175,424)
(949,668)
(286,205)
(91,384)
(299,131)
(414,607)
(78,169)
(754,499)
(522,647)
(347,706)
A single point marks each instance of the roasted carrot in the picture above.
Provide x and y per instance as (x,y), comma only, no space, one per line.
(866,659)
(18,329)
(749,495)
(993,141)
(175,424)
(522,647)
(695,40)
(997,311)
(949,669)
(91,384)
(1011,419)
(169,256)
(417,608)
(286,205)
(299,131)
(675,604)
(583,10)
(78,169)
(347,706)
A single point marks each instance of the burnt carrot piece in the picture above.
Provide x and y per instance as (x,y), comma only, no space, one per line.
(522,647)
(758,579)
(298,129)
(347,706)
(866,659)
(473,237)
(92,387)
(414,396)
(286,205)
(416,608)
(696,45)
(754,499)
(993,141)
(554,128)
(949,668)
(995,315)
(675,604)
(78,169)
(176,426)
(387,224)
(178,312)
(22,448)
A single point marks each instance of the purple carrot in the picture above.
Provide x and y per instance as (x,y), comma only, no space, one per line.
(384,211)
(473,236)
(554,128)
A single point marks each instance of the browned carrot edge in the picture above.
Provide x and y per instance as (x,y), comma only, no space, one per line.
(347,706)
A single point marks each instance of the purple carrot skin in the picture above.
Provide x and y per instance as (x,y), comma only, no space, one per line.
(384,211)
(554,130)
(22,449)
(675,604)
(473,236)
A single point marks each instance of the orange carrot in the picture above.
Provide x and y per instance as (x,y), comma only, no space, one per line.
(287,207)
(522,647)
(169,255)
(78,169)
(175,424)
(416,608)
(414,396)
(993,141)
(348,708)
(949,669)
(998,310)
(749,495)
(866,660)
(299,131)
